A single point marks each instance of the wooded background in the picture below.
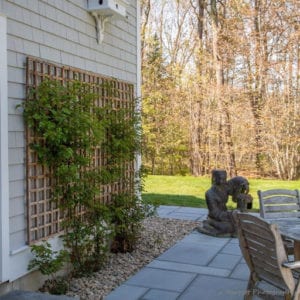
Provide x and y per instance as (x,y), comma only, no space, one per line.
(221,87)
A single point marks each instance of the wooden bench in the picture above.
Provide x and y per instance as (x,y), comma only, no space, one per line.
(279,203)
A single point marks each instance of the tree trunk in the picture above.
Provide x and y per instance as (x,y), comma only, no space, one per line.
(196,109)
(257,99)
(225,132)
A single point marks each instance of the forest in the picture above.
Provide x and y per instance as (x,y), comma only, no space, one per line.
(220,87)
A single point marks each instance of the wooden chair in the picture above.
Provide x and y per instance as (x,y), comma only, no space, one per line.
(280,203)
(262,247)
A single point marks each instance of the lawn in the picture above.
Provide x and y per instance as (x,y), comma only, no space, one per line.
(190,191)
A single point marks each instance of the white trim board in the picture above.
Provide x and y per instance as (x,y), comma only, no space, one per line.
(138,162)
(4,181)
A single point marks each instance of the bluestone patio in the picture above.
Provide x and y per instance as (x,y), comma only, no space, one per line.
(197,267)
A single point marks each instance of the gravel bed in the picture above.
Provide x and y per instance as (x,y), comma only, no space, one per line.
(157,236)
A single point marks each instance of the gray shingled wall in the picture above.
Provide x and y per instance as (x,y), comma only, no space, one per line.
(61,31)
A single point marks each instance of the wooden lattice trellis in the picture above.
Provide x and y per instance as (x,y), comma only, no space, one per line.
(43,215)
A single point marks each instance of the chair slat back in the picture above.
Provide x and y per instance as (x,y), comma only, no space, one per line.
(279,203)
(263,250)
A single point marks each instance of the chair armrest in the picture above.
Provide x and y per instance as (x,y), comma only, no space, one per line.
(288,239)
(292,264)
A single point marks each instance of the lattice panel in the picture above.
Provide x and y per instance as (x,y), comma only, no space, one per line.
(43,214)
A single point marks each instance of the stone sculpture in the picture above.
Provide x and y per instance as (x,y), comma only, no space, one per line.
(238,188)
(220,221)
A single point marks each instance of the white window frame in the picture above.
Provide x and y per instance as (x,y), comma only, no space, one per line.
(4,177)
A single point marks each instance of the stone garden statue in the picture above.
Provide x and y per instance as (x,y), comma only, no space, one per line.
(238,188)
(220,221)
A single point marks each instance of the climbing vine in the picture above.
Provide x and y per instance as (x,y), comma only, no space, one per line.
(68,128)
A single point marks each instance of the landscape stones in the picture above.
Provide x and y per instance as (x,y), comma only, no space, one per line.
(158,235)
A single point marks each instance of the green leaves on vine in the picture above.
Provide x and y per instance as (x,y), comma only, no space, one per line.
(62,116)
(68,128)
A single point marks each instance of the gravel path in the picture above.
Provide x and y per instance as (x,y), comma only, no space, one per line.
(158,235)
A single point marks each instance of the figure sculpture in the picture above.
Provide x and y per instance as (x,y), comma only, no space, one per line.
(238,188)
(220,221)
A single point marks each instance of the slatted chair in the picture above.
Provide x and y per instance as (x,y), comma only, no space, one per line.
(263,250)
(280,203)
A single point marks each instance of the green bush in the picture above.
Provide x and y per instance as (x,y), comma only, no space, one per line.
(49,262)
(127,213)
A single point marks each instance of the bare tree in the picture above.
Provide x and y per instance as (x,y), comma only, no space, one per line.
(225,90)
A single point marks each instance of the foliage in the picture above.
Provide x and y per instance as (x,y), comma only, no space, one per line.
(61,115)
(163,147)
(88,238)
(49,262)
(220,87)
(127,212)
(121,145)
(68,128)
(122,142)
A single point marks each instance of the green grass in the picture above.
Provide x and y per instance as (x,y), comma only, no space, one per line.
(190,191)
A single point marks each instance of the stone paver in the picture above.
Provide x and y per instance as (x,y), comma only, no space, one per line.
(191,253)
(216,288)
(185,213)
(162,279)
(232,247)
(127,292)
(225,261)
(241,271)
(160,294)
(197,267)
(174,266)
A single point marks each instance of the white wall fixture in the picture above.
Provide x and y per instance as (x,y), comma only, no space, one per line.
(103,10)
